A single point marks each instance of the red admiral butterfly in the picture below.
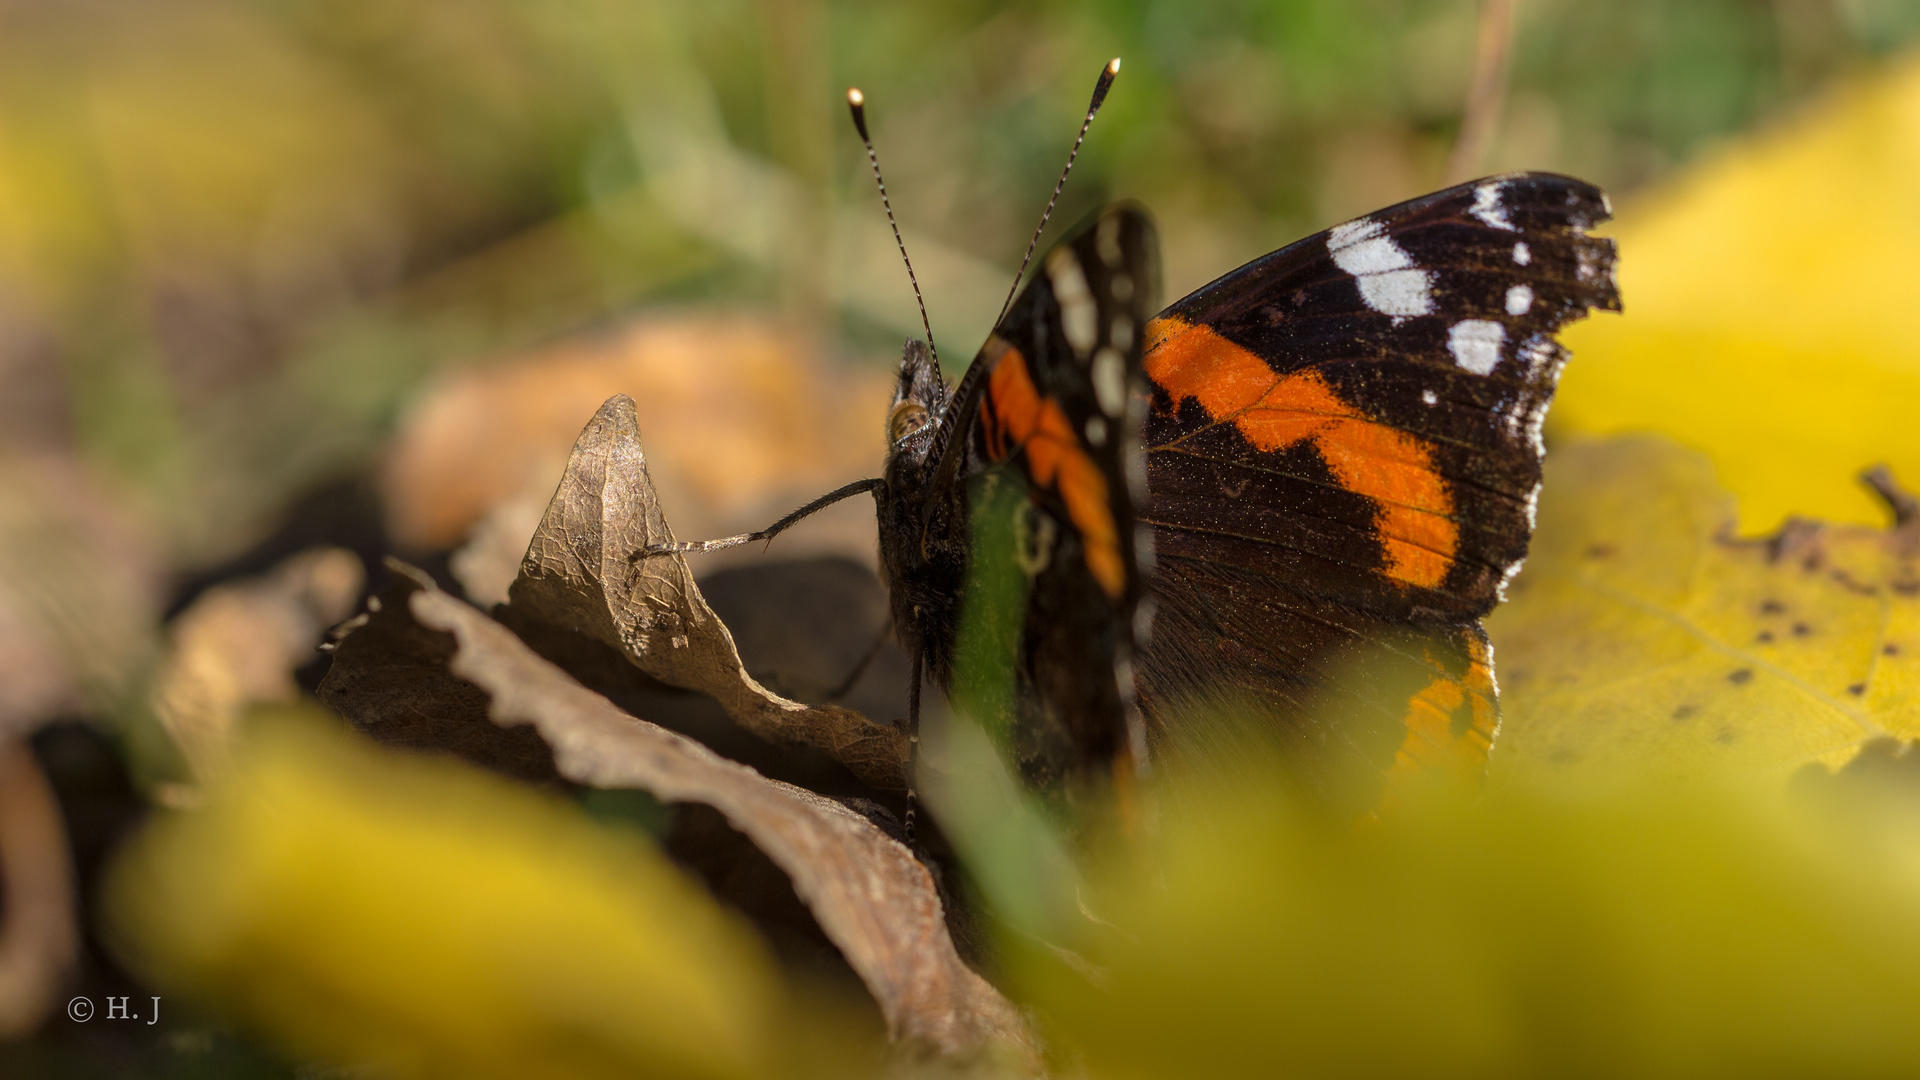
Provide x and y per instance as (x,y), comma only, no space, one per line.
(1290,496)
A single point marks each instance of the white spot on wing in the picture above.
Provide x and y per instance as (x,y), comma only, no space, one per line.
(1389,282)
(1079,315)
(1536,422)
(1488,208)
(1096,431)
(1519,299)
(1475,344)
(1514,418)
(1110,380)
(1584,267)
(1533,508)
(1107,241)
(1429,397)
(1493,680)
(1538,352)
(1521,253)
(1399,293)
(1511,572)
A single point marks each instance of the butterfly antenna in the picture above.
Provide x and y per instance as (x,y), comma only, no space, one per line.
(858,103)
(1100,89)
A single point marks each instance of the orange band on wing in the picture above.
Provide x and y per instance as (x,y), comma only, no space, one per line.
(1389,466)
(1019,417)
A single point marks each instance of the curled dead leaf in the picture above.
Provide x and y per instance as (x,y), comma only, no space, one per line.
(874,900)
(580,574)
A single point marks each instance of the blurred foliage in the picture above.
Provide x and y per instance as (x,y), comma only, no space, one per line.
(235,234)
(1704,930)
(368,906)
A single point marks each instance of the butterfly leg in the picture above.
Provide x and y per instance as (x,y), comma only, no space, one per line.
(858,487)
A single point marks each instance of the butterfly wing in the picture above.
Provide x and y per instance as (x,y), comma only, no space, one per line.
(1342,458)
(1045,445)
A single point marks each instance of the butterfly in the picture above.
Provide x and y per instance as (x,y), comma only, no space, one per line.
(1289,497)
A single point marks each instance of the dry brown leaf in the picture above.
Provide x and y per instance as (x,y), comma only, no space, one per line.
(240,643)
(38,939)
(488,562)
(390,680)
(874,900)
(579,574)
(757,420)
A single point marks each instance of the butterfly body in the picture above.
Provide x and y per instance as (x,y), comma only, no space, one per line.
(922,522)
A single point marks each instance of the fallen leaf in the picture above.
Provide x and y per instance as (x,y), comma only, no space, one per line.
(390,680)
(38,939)
(238,645)
(1767,322)
(580,574)
(1643,633)
(751,421)
(425,919)
(488,562)
(871,896)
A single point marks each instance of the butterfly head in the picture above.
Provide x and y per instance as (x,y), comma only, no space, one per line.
(919,400)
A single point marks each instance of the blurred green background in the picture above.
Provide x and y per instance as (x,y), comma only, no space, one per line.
(235,235)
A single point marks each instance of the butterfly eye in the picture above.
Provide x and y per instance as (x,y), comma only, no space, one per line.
(907,418)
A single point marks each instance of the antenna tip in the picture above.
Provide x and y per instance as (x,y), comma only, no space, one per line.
(857,101)
(1101,86)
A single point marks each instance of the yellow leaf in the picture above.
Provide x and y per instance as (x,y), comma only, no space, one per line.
(1768,299)
(1642,631)
(416,913)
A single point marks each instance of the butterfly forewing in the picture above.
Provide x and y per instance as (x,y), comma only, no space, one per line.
(1342,457)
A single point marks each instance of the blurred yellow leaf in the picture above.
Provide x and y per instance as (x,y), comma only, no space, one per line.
(1641,631)
(1768,310)
(1689,932)
(366,906)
